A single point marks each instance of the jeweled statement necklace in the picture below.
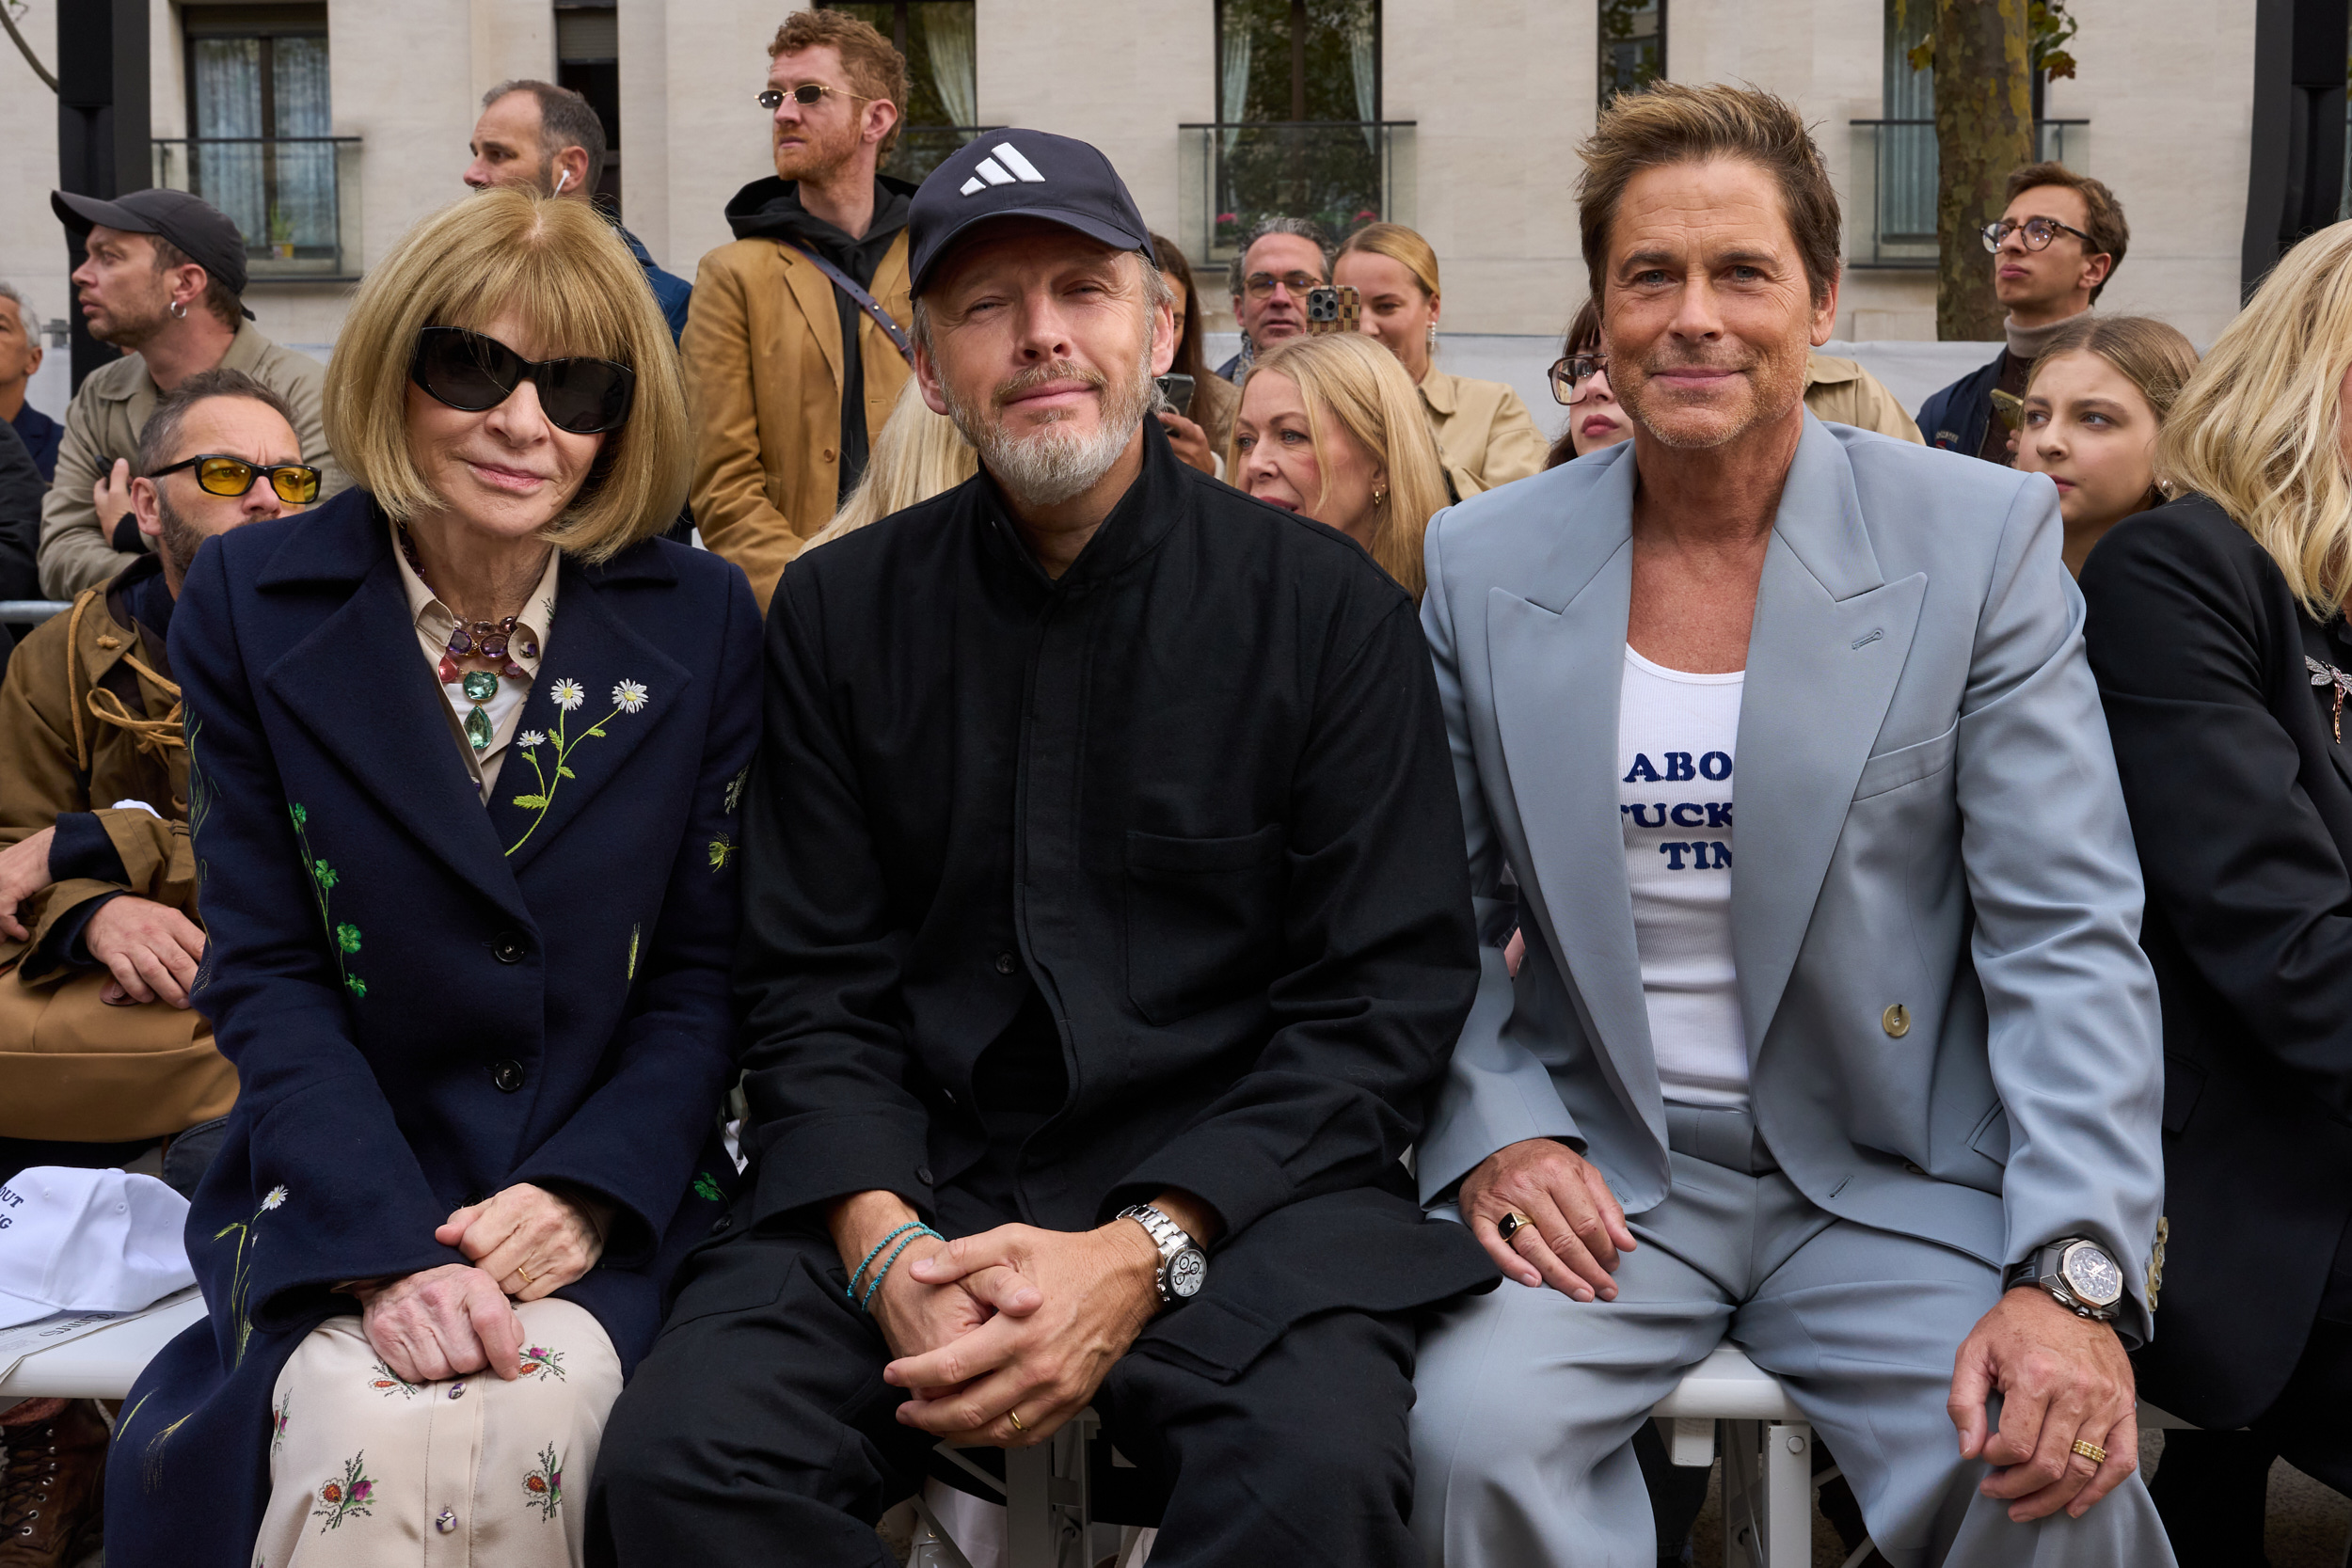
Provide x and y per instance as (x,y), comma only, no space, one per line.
(484,639)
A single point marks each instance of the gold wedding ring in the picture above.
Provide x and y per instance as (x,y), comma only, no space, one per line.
(1511,1224)
(2091,1451)
(1014,1416)
(521,1276)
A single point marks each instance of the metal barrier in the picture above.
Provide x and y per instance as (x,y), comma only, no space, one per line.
(31,612)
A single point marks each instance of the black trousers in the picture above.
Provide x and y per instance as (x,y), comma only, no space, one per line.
(760,1431)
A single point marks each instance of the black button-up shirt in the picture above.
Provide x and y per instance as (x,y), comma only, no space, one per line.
(1197,787)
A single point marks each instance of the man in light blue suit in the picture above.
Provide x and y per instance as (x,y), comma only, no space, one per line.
(1870,1088)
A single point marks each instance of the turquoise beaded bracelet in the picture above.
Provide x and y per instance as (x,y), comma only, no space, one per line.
(874,1283)
(867,1261)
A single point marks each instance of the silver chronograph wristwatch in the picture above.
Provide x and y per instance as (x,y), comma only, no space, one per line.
(2077,1271)
(1183,1267)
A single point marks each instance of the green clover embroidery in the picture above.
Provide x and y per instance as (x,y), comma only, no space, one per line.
(342,938)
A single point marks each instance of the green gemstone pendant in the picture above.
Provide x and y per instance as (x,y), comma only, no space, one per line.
(480,686)
(478,731)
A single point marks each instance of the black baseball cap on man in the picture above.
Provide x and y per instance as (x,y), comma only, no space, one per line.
(1022,174)
(201,232)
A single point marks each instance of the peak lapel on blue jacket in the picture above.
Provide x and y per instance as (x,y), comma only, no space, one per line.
(1828,643)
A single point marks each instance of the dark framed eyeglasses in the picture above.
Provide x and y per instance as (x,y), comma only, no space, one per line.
(2038,232)
(1568,376)
(466,369)
(807,95)
(1259,285)
(216,474)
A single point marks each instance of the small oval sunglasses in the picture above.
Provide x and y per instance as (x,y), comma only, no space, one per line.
(473,373)
(296,484)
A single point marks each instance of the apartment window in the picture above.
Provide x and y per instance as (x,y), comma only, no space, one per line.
(1906,149)
(588,61)
(1632,45)
(1298,61)
(939,39)
(259,111)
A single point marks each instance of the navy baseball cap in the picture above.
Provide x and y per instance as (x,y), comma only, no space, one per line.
(200,230)
(1022,174)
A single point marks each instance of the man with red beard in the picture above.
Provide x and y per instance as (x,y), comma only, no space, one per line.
(795,344)
(1105,927)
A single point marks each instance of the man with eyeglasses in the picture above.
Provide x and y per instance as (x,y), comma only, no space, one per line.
(2055,247)
(795,345)
(1283,259)
(97,920)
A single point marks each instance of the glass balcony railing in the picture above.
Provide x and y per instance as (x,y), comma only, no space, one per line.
(1892,219)
(923,148)
(296,199)
(1343,174)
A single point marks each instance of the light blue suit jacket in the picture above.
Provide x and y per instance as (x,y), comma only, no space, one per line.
(1927,813)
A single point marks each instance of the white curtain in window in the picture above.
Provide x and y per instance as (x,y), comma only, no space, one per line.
(306,170)
(1907,154)
(1232,101)
(947,33)
(1363,59)
(229,103)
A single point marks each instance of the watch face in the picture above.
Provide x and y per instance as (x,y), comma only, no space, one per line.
(1186,1272)
(2091,1275)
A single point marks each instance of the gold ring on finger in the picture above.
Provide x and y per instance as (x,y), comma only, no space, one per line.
(523,1277)
(1014,1416)
(1511,1222)
(2091,1451)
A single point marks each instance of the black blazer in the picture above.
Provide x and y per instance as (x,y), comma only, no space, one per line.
(2241,799)
(1196,793)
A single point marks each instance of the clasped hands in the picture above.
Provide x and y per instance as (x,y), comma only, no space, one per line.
(151,950)
(2061,1378)
(1003,1336)
(526,1242)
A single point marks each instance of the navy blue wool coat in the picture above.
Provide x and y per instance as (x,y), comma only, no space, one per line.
(427,1000)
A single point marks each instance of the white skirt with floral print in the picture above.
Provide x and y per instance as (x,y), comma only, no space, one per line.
(367,1471)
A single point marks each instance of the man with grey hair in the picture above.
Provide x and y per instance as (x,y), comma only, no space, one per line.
(1281,260)
(551,140)
(1105,923)
(20,354)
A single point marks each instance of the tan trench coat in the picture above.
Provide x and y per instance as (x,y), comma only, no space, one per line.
(1482,427)
(1842,392)
(762,351)
(74,1069)
(103,423)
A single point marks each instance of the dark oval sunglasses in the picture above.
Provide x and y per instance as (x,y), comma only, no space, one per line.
(466,369)
(296,484)
(807,95)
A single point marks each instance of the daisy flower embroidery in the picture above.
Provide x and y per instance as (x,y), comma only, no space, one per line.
(628,697)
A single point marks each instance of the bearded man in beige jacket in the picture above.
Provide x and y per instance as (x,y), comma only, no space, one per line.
(788,378)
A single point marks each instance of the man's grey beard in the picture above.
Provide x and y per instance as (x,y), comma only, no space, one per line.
(1055,464)
(178,540)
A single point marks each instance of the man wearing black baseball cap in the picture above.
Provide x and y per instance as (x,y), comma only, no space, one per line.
(1105,923)
(162,280)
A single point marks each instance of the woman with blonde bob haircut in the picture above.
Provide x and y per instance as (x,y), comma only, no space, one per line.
(466,745)
(1330,427)
(2217,629)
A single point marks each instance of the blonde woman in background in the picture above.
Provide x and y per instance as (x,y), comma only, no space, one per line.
(2215,625)
(2096,398)
(917,454)
(1330,428)
(1482,427)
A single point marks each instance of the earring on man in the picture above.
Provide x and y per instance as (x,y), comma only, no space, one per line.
(179,311)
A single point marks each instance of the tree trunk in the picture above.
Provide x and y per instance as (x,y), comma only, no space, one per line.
(1983,128)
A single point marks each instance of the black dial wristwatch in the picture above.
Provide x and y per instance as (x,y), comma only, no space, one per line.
(2077,1271)
(1183,1267)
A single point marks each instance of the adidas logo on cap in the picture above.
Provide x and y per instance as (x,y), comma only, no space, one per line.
(989,171)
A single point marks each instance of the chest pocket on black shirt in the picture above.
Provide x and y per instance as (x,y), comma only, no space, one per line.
(1204,919)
